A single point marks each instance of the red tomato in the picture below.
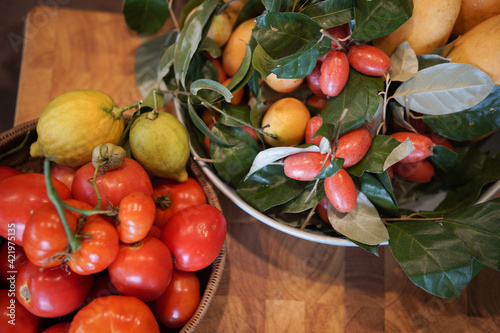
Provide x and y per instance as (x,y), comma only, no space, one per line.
(14,318)
(113,185)
(368,60)
(19,196)
(423,145)
(334,73)
(58,328)
(99,246)
(312,81)
(195,236)
(6,172)
(44,236)
(179,302)
(102,287)
(12,256)
(353,146)
(312,127)
(115,313)
(317,101)
(154,232)
(63,173)
(305,166)
(143,269)
(417,172)
(51,292)
(181,195)
(341,191)
(135,217)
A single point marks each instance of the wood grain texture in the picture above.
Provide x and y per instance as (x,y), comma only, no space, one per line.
(272,282)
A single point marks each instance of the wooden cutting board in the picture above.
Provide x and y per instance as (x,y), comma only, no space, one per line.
(272,282)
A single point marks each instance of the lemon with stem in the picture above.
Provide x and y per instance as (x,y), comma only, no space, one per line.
(160,143)
(74,123)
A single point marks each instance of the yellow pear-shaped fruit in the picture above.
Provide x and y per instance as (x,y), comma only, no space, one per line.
(480,47)
(473,12)
(74,123)
(428,28)
(160,143)
(235,48)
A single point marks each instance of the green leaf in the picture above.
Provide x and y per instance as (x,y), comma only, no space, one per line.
(232,163)
(211,85)
(472,123)
(234,115)
(166,61)
(306,200)
(331,169)
(202,127)
(443,159)
(190,38)
(444,89)
(362,224)
(145,16)
(272,5)
(429,60)
(283,34)
(269,187)
(384,152)
(377,193)
(147,59)
(330,13)
(359,96)
(479,228)
(465,195)
(373,249)
(379,18)
(433,258)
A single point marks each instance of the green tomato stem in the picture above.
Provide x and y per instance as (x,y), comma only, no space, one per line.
(73,241)
(94,185)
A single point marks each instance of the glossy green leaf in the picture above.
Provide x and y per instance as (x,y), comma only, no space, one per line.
(331,169)
(378,18)
(202,127)
(377,193)
(272,5)
(190,38)
(443,159)
(359,96)
(472,123)
(269,187)
(479,228)
(384,152)
(308,199)
(145,16)
(444,89)
(283,34)
(432,257)
(232,163)
(362,224)
(235,115)
(211,85)
(330,13)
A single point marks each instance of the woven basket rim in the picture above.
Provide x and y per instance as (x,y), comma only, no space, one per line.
(17,134)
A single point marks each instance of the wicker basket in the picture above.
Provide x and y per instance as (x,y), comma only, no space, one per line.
(209,277)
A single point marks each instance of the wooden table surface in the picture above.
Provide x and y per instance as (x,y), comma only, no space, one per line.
(272,282)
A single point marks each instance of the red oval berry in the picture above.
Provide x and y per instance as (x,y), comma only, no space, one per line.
(340,32)
(304,166)
(368,60)
(312,81)
(317,101)
(312,127)
(423,145)
(417,172)
(334,73)
(341,191)
(322,209)
(353,146)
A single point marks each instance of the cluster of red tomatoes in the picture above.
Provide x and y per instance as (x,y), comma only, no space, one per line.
(129,263)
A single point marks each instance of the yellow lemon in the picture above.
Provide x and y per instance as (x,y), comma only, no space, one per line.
(428,28)
(480,47)
(74,123)
(160,143)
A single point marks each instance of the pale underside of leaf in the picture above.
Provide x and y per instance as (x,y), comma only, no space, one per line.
(362,224)
(404,63)
(444,89)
